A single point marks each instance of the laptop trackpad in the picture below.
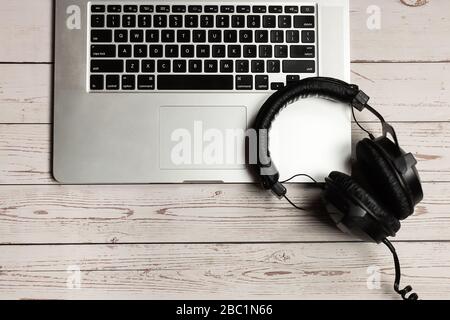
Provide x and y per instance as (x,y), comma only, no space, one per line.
(203,138)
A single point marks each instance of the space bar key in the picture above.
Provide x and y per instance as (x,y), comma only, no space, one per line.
(195,82)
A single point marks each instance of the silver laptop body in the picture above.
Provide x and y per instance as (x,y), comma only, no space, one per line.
(120,118)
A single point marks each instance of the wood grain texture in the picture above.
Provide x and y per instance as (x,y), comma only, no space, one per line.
(25,150)
(406,33)
(186,213)
(211,271)
(408,92)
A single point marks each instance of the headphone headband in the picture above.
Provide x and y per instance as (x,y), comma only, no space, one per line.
(309,87)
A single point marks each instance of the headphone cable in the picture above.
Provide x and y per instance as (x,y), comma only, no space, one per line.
(293,177)
(371,136)
(403,292)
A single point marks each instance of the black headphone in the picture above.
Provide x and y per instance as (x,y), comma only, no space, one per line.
(385,185)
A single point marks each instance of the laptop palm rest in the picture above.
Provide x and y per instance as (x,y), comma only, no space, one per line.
(202,137)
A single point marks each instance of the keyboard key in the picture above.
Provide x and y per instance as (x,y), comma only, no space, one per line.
(292,78)
(195,66)
(211,66)
(253,21)
(152,36)
(207,21)
(281,51)
(199,36)
(308,36)
(167,36)
(179,66)
(103,51)
(230,36)
(101,35)
(183,36)
(164,66)
(302,51)
(132,66)
(291,9)
(265,51)
(146,82)
(277,85)
(261,36)
(203,51)
(195,82)
(130,8)
(113,21)
(112,82)
(140,51)
(234,51)
(144,21)
(243,9)
(275,9)
(97,21)
(128,82)
(307,9)
(191,21)
(187,51)
(124,51)
(162,8)
(97,8)
(259,9)
(148,66)
(299,66)
(218,51)
(250,51)
(156,51)
(115,8)
(284,22)
(176,21)
(273,66)
(245,36)
(172,51)
(136,35)
(128,21)
(222,21)
(269,21)
(107,66)
(304,21)
(121,36)
(292,36)
(238,21)
(215,36)
(160,21)
(227,9)
(226,66)
(244,82)
(262,82)
(257,66)
(146,8)
(276,36)
(195,9)
(96,82)
(178,9)
(211,9)
(242,66)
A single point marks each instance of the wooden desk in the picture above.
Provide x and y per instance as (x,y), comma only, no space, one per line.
(219,241)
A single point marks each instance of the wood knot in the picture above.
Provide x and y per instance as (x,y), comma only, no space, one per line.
(414,3)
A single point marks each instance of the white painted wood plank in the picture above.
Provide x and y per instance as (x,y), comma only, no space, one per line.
(239,271)
(25,150)
(402,92)
(187,213)
(406,33)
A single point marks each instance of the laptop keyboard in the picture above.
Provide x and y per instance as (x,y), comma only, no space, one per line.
(150,47)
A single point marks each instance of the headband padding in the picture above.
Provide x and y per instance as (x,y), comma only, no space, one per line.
(382,179)
(350,187)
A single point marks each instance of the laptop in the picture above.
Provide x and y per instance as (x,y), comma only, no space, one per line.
(166,91)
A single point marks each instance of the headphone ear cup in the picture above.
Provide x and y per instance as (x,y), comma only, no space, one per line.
(379,174)
(370,219)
